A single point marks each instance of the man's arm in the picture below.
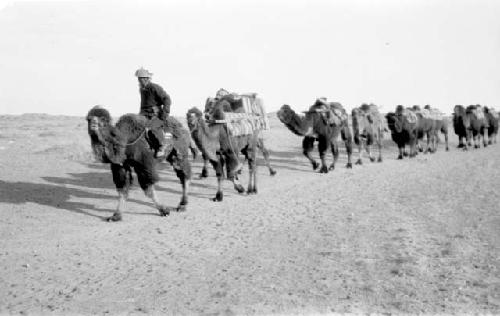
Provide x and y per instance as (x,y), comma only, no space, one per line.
(164,100)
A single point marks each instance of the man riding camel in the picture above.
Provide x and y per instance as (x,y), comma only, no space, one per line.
(155,105)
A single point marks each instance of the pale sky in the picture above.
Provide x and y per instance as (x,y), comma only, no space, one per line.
(64,57)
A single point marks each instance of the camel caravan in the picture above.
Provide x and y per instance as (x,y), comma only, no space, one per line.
(229,131)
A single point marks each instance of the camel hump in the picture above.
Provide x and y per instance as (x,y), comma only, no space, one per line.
(338,110)
(478,111)
(430,113)
(410,116)
(492,112)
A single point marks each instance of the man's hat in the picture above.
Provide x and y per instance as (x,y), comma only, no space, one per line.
(221,93)
(143,73)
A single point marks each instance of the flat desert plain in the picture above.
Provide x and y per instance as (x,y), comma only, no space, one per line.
(417,236)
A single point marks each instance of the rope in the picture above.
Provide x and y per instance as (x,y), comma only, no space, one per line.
(137,139)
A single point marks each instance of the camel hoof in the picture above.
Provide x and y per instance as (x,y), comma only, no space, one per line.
(349,165)
(218,197)
(400,157)
(323,169)
(315,165)
(115,218)
(239,188)
(379,159)
(252,191)
(164,211)
(332,167)
(272,172)
(372,159)
(405,154)
(447,149)
(181,207)
(204,173)
(359,162)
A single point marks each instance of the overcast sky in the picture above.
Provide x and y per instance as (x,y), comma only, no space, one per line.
(64,57)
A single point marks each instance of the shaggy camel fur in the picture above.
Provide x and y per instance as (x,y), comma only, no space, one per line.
(492,119)
(210,108)
(131,144)
(403,131)
(216,145)
(315,126)
(369,127)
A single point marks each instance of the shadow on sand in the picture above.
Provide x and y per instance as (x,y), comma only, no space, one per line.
(50,195)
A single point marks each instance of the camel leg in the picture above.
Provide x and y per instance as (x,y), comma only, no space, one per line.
(413,149)
(347,138)
(379,145)
(265,153)
(217,165)
(121,178)
(485,141)
(360,153)
(470,138)
(151,193)
(401,149)
(369,151)
(307,147)
(428,142)
(322,148)
(252,176)
(445,133)
(233,167)
(184,199)
(204,170)
(418,144)
(335,153)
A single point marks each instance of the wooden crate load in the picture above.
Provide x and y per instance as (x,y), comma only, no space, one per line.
(252,118)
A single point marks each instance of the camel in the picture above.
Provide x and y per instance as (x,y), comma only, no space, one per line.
(403,126)
(216,145)
(369,127)
(492,119)
(478,125)
(132,144)
(441,125)
(210,106)
(426,127)
(315,125)
(461,125)
(470,123)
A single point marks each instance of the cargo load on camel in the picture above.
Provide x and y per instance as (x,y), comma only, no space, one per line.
(243,113)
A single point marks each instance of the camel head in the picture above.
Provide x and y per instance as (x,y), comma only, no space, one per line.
(299,125)
(460,116)
(395,122)
(209,107)
(98,120)
(98,117)
(193,117)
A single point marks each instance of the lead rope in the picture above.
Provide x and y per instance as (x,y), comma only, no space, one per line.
(137,139)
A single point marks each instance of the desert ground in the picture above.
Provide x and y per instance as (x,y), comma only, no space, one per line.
(412,236)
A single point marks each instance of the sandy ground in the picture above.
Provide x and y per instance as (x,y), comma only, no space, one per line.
(413,236)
